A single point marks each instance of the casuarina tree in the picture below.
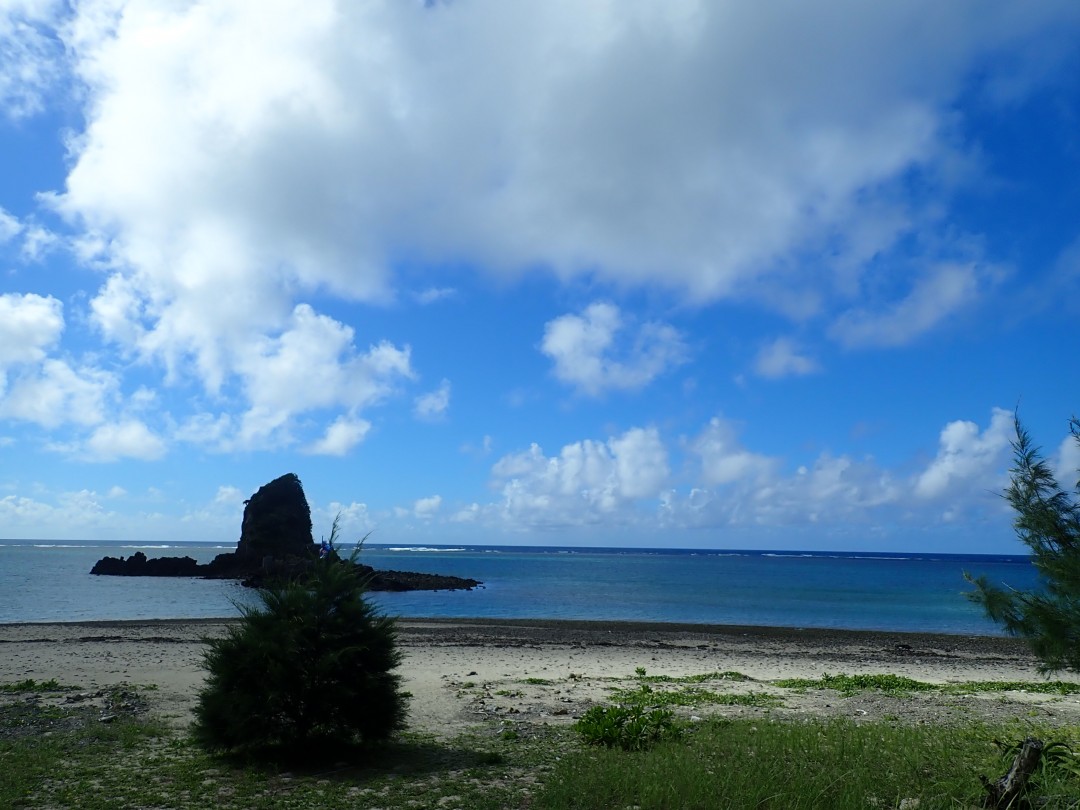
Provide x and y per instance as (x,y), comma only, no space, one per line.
(1048,522)
(312,663)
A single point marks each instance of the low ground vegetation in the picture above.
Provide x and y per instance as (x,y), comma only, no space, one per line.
(56,753)
(848,685)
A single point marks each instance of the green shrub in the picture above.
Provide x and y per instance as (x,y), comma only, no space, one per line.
(312,664)
(630,728)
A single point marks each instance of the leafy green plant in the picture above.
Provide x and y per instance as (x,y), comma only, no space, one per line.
(852,684)
(311,664)
(645,696)
(630,728)
(1058,758)
(1048,522)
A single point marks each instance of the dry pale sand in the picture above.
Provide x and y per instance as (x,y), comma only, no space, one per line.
(467,672)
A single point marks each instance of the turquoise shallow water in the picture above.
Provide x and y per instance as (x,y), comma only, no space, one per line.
(49,581)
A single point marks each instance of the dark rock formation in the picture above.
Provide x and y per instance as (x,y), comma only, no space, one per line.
(275,543)
(411,581)
(137,565)
(277,522)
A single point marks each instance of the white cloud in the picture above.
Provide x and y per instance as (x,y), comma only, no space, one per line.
(30,325)
(693,146)
(116,492)
(835,489)
(433,405)
(71,509)
(626,481)
(303,367)
(341,437)
(589,356)
(40,389)
(433,294)
(967,457)
(206,429)
(943,292)
(427,508)
(127,439)
(10,227)
(1067,463)
(469,514)
(29,55)
(314,365)
(724,461)
(784,358)
(481,450)
(354,519)
(37,241)
(228,495)
(56,393)
(587,482)
(143,399)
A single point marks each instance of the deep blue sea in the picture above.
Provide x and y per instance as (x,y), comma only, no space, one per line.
(44,581)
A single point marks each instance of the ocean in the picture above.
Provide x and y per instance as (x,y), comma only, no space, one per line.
(46,581)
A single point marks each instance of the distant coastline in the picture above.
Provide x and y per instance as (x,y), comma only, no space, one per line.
(436,548)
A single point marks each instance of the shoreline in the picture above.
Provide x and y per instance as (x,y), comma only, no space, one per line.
(462,672)
(617,625)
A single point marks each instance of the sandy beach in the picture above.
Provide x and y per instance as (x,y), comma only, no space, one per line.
(465,672)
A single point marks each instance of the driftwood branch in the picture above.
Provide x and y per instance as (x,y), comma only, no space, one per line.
(1007,793)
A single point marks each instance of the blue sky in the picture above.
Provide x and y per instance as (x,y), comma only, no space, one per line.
(688,274)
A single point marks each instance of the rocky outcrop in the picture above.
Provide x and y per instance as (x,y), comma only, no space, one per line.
(275,543)
(137,565)
(411,581)
(277,522)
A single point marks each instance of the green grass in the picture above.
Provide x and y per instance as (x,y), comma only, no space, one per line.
(852,684)
(1038,687)
(538,681)
(80,756)
(849,685)
(836,764)
(704,677)
(131,763)
(732,763)
(645,695)
(30,685)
